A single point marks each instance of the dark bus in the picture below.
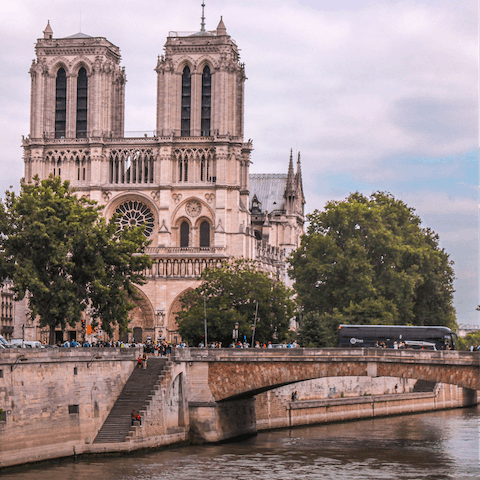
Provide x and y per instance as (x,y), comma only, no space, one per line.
(391,336)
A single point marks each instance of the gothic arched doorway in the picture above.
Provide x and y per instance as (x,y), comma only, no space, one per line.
(172,327)
(142,321)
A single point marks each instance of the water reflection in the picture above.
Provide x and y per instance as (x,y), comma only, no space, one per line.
(441,445)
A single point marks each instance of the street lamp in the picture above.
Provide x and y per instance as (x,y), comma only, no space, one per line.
(205,319)
(160,315)
(254,326)
(235,333)
(94,357)
(20,358)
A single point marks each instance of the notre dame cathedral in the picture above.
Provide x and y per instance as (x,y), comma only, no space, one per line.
(188,182)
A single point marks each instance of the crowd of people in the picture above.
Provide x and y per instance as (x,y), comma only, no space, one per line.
(164,348)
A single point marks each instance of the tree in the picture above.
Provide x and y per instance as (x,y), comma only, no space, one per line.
(231,292)
(369,261)
(469,340)
(59,249)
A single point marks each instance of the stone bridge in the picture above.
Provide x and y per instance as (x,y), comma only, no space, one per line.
(222,383)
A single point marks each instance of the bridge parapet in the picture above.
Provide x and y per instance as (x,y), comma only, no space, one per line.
(241,373)
(449,357)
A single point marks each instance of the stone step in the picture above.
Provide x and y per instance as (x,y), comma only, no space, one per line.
(136,395)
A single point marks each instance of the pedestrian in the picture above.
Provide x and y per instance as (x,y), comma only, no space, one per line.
(133,416)
(396,388)
(139,361)
(138,418)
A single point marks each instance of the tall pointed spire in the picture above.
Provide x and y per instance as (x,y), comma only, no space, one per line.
(298,175)
(290,176)
(298,178)
(202,24)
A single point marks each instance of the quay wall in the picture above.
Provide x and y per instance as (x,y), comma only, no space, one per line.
(56,399)
(337,399)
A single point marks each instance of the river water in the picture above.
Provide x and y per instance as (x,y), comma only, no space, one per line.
(438,445)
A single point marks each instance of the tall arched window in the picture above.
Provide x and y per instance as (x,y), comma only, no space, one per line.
(205,234)
(186,102)
(60,103)
(184,234)
(206,101)
(82,87)
(183,170)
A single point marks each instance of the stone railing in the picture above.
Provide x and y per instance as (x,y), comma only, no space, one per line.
(134,137)
(164,251)
(269,254)
(181,267)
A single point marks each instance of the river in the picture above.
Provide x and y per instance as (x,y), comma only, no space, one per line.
(438,445)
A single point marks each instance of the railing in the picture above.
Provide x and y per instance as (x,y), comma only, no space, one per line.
(269,254)
(133,137)
(176,34)
(181,267)
(140,134)
(184,250)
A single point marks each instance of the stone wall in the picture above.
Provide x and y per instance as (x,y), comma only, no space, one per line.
(166,412)
(349,398)
(55,399)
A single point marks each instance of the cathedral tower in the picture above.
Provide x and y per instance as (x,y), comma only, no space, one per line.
(188,183)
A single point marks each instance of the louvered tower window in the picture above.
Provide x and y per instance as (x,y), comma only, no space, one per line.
(206,101)
(186,102)
(204,234)
(82,87)
(60,103)
(184,234)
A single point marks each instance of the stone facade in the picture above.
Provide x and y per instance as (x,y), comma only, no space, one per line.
(188,181)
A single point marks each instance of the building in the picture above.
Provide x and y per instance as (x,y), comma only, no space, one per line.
(464,330)
(188,183)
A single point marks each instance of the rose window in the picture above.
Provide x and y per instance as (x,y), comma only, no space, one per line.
(135,214)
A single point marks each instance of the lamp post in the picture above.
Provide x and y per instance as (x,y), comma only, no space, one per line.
(235,334)
(205,319)
(254,324)
(160,315)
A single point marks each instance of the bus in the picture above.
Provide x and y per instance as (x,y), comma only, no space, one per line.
(368,336)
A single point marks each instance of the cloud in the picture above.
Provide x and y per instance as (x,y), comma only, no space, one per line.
(358,86)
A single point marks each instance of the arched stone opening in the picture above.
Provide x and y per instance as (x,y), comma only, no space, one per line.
(172,327)
(142,321)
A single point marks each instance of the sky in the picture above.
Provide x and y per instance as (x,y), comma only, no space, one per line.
(376,95)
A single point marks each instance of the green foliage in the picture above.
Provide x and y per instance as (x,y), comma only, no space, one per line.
(231,292)
(59,249)
(369,261)
(472,338)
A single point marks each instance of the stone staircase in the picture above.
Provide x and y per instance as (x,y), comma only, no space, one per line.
(134,396)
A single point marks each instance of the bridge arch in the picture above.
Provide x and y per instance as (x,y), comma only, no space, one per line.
(242,374)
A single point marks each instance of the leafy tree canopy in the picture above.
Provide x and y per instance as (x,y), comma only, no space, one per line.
(59,249)
(368,261)
(471,339)
(231,292)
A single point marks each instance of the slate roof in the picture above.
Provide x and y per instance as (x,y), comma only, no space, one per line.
(269,189)
(79,35)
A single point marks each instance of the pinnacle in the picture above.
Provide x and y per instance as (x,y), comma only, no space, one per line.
(221,29)
(48,32)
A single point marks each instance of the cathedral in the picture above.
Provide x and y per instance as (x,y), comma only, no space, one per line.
(188,182)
